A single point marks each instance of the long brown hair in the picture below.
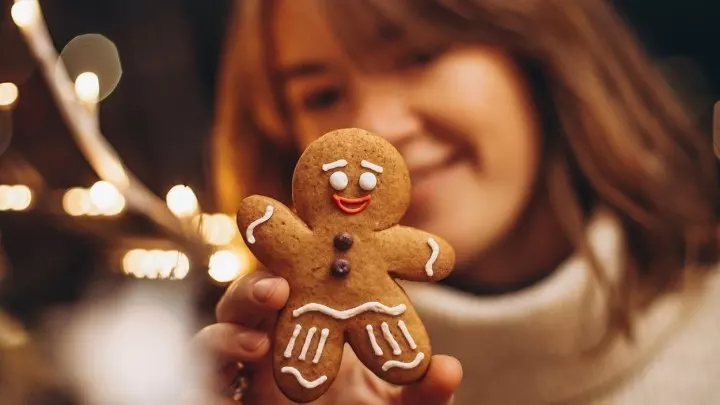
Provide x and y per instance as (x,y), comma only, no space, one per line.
(616,135)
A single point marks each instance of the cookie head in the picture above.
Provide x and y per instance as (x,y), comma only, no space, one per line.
(351,176)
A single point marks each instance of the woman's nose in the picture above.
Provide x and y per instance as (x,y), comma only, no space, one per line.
(388,113)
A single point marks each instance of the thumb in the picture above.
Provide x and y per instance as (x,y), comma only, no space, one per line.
(437,387)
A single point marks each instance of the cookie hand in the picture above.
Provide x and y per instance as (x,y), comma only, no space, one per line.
(271,230)
(415,255)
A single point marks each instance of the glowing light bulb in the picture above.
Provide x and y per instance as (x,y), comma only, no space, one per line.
(156,264)
(25,12)
(132,261)
(76,201)
(5,197)
(107,198)
(227,265)
(15,198)
(87,87)
(182,201)
(146,265)
(176,264)
(181,267)
(21,197)
(116,208)
(218,229)
(8,94)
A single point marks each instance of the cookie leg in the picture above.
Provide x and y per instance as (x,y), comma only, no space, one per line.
(307,357)
(395,349)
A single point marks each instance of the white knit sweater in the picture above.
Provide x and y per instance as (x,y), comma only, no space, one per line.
(531,347)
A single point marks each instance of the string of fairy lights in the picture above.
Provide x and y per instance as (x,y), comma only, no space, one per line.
(117,191)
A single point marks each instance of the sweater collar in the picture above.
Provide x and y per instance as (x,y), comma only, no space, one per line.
(536,345)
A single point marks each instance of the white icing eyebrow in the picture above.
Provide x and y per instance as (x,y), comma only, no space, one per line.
(371,166)
(334,165)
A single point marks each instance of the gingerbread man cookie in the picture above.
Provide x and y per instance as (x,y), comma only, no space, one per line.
(340,254)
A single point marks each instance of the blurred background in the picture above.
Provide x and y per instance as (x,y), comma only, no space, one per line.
(65,236)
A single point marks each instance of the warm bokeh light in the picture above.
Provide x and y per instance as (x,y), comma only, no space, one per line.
(156,264)
(8,94)
(227,265)
(181,200)
(15,198)
(181,266)
(101,199)
(76,201)
(107,198)
(217,229)
(25,12)
(132,260)
(116,208)
(87,87)
(92,52)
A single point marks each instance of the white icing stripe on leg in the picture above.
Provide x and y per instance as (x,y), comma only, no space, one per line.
(321,345)
(394,363)
(376,348)
(390,339)
(305,383)
(407,334)
(291,343)
(433,256)
(349,313)
(308,339)
(249,233)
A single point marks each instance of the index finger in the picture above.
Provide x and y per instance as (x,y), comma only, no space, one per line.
(253,298)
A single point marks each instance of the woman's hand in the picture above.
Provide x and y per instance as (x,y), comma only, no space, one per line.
(246,315)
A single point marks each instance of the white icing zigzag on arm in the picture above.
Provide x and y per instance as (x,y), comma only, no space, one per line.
(349,313)
(406,365)
(249,233)
(305,383)
(433,256)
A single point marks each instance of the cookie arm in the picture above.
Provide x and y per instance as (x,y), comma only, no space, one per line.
(272,232)
(415,255)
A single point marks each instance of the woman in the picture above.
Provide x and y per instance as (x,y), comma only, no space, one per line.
(542,145)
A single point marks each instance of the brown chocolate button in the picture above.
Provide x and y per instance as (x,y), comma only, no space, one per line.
(343,241)
(340,267)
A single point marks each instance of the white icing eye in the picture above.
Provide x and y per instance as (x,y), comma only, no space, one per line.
(368,181)
(338,180)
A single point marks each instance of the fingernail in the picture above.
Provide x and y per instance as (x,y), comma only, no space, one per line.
(263,289)
(250,341)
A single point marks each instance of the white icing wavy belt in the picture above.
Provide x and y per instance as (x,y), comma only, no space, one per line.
(349,313)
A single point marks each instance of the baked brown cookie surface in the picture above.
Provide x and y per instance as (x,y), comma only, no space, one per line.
(341,255)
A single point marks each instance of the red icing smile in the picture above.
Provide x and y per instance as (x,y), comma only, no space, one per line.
(346,204)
